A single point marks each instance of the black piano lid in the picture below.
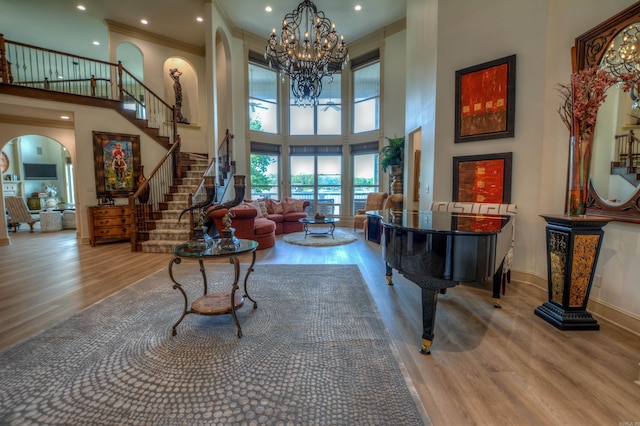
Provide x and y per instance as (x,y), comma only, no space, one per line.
(450,222)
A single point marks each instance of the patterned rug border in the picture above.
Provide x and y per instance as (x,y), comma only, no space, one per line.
(163,281)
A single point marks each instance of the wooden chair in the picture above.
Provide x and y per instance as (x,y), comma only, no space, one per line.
(19,213)
(375,201)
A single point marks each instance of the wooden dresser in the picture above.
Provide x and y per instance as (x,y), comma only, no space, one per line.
(109,223)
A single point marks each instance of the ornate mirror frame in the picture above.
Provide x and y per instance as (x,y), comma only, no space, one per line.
(588,51)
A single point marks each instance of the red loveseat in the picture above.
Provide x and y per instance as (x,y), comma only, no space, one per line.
(250,221)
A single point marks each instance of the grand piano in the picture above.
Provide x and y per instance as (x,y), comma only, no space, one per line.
(437,250)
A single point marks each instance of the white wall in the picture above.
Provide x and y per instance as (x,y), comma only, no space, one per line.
(541,34)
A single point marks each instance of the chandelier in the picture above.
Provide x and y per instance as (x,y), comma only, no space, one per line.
(623,54)
(307,50)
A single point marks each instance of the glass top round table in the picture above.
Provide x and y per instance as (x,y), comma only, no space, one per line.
(214,250)
(222,302)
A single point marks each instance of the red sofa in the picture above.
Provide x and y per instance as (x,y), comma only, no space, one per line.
(251,222)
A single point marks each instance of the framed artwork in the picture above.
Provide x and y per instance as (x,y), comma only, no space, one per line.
(483,178)
(117,164)
(4,162)
(485,101)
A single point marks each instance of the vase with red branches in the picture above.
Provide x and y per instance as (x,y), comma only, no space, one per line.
(581,99)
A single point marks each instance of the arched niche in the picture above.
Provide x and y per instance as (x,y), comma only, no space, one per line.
(132,59)
(223,102)
(188,86)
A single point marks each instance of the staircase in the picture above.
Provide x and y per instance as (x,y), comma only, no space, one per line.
(631,176)
(168,230)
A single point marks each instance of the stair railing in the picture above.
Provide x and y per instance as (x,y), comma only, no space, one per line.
(150,198)
(226,167)
(627,152)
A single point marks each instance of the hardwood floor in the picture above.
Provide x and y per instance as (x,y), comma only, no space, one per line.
(488,366)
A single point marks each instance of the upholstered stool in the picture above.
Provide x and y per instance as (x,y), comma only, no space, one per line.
(50,221)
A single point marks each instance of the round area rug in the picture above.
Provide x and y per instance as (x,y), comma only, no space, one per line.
(339,238)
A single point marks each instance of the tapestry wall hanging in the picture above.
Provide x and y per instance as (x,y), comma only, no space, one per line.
(117,163)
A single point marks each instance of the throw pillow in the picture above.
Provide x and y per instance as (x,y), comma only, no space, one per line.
(288,207)
(255,205)
(263,208)
(299,204)
(268,202)
(277,207)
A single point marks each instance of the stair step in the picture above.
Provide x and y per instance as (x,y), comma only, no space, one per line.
(163,224)
(169,235)
(158,246)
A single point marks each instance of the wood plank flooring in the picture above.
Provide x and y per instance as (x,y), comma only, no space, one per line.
(488,366)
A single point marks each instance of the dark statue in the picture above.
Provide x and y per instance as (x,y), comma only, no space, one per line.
(177,88)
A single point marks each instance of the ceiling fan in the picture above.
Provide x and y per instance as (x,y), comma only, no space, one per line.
(331,104)
(255,105)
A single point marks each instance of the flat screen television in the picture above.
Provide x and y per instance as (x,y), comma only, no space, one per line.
(40,171)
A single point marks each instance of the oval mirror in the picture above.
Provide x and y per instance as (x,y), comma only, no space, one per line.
(614,190)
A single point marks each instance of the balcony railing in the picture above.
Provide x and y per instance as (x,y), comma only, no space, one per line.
(44,69)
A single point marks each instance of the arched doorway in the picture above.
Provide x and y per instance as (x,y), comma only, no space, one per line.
(39,170)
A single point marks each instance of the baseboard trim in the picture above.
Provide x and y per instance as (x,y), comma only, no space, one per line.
(598,308)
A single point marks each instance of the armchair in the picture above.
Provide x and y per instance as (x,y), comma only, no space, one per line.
(375,201)
(19,213)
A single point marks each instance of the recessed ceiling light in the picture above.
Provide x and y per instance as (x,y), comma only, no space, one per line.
(81,7)
(144,21)
(97,43)
(268,9)
(64,117)
(358,7)
(199,19)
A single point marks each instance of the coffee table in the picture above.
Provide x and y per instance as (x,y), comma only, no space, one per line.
(216,303)
(306,221)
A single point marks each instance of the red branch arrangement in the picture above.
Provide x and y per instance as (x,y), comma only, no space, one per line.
(585,94)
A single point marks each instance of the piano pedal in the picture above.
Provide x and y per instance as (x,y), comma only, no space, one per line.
(426,347)
(496,303)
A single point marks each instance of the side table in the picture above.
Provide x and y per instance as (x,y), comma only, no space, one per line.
(50,221)
(220,303)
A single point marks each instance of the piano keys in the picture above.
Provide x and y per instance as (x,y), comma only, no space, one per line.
(438,250)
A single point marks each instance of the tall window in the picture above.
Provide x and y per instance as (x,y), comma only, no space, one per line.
(366,97)
(263,99)
(316,176)
(325,118)
(366,172)
(264,167)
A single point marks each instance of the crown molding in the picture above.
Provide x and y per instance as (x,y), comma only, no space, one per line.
(129,31)
(33,121)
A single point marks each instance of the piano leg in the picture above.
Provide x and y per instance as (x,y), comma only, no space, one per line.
(429,302)
(497,284)
(389,273)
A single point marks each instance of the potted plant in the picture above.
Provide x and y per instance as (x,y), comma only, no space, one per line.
(392,154)
(393,158)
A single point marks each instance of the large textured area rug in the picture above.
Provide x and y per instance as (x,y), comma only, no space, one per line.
(314,352)
(319,240)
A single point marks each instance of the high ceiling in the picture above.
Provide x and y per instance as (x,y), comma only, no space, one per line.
(59,25)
